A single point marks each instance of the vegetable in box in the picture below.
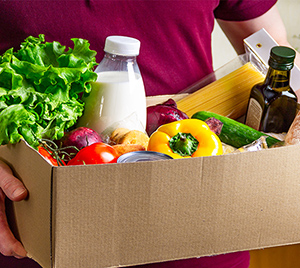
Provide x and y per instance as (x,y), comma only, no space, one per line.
(40,86)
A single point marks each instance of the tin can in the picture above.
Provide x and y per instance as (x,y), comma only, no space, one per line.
(140,156)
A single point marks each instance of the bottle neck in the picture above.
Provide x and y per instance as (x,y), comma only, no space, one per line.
(278,80)
(113,62)
(115,57)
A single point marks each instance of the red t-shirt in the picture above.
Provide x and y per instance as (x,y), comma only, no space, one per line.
(175,35)
(175,51)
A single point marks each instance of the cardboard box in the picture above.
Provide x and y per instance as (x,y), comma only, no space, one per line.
(134,213)
(123,214)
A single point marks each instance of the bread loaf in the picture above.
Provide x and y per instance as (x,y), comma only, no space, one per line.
(127,148)
(293,134)
(126,136)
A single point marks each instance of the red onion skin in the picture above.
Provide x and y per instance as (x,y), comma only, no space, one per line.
(161,114)
(79,138)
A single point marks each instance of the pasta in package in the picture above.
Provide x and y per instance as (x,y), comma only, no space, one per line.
(225,91)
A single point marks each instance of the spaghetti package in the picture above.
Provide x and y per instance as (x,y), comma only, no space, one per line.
(226,91)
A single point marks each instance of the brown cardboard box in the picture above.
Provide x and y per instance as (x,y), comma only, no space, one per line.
(123,214)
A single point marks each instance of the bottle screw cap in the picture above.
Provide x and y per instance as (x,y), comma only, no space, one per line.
(282,58)
(122,45)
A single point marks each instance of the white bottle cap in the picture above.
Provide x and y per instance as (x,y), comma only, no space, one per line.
(122,45)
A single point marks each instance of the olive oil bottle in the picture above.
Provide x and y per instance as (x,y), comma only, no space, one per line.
(273,103)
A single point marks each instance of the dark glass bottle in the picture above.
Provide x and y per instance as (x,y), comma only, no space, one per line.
(272,104)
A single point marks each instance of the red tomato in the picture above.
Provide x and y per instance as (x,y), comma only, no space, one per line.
(46,154)
(96,153)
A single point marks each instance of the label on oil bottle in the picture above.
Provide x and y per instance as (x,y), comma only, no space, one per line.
(254,114)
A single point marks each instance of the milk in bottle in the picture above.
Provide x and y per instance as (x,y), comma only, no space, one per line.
(118,95)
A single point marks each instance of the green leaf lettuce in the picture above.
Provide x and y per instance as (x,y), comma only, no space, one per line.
(39,88)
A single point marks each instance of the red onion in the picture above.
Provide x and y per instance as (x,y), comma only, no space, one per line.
(161,114)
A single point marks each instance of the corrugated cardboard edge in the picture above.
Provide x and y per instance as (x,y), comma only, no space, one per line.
(32,216)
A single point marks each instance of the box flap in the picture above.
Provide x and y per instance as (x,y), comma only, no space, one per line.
(31,216)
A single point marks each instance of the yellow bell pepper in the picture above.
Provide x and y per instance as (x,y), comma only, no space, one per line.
(185,138)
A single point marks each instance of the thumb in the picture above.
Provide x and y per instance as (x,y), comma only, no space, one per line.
(9,245)
(11,186)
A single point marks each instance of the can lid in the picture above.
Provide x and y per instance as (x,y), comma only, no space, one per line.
(282,58)
(122,45)
(141,156)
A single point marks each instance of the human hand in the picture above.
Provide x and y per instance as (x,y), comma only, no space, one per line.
(13,188)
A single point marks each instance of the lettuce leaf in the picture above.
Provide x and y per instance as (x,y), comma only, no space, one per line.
(40,86)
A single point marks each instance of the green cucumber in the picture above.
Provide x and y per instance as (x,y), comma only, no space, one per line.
(235,133)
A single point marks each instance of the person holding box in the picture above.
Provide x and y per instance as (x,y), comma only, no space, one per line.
(175,53)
